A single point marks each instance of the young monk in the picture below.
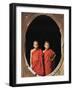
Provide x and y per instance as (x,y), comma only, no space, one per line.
(36,59)
(49,56)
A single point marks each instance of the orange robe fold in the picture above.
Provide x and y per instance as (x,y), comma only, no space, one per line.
(48,54)
(37,64)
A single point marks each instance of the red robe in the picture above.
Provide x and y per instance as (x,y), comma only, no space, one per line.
(37,64)
(48,54)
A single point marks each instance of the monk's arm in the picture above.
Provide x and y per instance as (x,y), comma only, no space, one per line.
(31,63)
(53,57)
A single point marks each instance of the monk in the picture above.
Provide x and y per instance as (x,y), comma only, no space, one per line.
(36,59)
(49,56)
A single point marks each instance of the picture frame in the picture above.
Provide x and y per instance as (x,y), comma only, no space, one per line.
(45,16)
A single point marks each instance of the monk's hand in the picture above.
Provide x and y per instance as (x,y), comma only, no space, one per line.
(30,66)
(53,57)
(35,74)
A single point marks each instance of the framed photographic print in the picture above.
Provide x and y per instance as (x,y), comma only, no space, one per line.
(40,44)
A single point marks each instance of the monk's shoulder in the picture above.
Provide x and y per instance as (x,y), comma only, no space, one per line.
(51,50)
(31,50)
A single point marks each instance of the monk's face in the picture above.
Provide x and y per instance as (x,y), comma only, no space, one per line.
(35,44)
(46,45)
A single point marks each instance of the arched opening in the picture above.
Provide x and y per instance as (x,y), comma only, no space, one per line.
(43,28)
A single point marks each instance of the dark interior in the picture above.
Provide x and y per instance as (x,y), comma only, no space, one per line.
(44,28)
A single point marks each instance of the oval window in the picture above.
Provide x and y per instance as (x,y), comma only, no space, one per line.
(44,28)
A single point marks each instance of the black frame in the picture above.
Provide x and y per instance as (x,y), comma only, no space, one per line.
(12,64)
